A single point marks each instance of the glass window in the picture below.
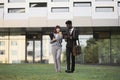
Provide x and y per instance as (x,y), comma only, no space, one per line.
(13,1)
(14,43)
(46,45)
(2,43)
(2,52)
(37,49)
(104,9)
(30,48)
(115,35)
(59,9)
(43,4)
(59,0)
(104,50)
(3,35)
(82,4)
(118,4)
(115,49)
(1,5)
(14,52)
(30,53)
(16,10)
(1,10)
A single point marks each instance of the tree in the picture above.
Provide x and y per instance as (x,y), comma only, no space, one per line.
(91,51)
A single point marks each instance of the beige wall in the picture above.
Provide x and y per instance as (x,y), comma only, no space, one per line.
(54,22)
(105,22)
(82,21)
(15,23)
(1,1)
(44,22)
(38,21)
(119,20)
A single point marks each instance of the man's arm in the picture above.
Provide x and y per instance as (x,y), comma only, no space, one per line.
(75,35)
(66,36)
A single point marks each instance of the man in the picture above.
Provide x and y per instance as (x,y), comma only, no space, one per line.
(70,37)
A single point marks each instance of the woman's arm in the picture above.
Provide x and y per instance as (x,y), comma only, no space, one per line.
(60,35)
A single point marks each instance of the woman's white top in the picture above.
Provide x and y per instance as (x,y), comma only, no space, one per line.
(58,40)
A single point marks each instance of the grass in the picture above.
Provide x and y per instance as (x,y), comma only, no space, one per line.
(47,72)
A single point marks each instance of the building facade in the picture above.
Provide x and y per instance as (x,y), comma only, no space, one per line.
(25,24)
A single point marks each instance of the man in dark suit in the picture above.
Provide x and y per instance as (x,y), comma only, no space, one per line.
(70,37)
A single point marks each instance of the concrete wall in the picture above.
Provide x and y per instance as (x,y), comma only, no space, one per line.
(43,17)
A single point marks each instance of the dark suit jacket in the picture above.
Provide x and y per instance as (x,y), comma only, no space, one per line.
(74,35)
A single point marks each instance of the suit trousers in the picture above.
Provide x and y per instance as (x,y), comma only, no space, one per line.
(70,58)
(56,52)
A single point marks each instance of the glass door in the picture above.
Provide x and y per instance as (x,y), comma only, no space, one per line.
(33,48)
(37,51)
(33,51)
(30,51)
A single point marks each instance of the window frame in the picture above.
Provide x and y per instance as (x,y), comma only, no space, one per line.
(1,5)
(104,8)
(81,3)
(60,1)
(2,43)
(16,9)
(45,3)
(16,1)
(59,8)
(118,3)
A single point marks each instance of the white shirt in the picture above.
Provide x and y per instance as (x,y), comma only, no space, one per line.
(71,30)
(58,42)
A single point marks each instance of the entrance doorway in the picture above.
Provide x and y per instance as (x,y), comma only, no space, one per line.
(33,48)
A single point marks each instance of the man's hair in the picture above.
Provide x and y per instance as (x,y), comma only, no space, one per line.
(68,22)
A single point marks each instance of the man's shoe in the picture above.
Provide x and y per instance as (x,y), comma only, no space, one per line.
(68,71)
(72,71)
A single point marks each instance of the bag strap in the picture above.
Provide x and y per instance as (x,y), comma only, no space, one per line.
(78,42)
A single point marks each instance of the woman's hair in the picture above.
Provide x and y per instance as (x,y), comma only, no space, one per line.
(56,28)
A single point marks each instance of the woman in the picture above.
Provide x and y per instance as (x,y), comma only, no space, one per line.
(57,47)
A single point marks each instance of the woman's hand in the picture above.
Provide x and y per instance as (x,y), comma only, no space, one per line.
(53,40)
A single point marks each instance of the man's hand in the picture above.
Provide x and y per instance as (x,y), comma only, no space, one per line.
(67,37)
(70,37)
